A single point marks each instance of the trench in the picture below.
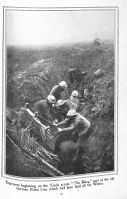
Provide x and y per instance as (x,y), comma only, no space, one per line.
(31,74)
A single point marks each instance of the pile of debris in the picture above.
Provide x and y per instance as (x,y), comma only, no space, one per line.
(30,133)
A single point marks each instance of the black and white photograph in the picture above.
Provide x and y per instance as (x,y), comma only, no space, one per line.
(60,92)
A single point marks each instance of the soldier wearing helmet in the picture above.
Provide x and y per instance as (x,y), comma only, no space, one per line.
(45,109)
(59,91)
(61,108)
(73,102)
(75,125)
(74,98)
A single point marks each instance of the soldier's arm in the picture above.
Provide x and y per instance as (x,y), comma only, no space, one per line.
(68,129)
(53,90)
(72,128)
(63,123)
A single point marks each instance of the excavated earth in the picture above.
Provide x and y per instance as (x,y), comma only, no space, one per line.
(32,72)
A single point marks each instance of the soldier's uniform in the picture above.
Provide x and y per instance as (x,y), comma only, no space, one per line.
(61,108)
(72,105)
(58,90)
(73,101)
(45,110)
(75,128)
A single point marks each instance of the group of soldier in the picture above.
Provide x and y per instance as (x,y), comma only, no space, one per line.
(64,114)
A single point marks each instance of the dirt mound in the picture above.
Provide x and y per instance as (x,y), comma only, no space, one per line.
(33,83)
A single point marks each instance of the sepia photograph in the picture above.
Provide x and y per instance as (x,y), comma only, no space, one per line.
(60,91)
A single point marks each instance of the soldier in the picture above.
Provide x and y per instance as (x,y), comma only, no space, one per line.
(73,101)
(63,106)
(59,90)
(75,125)
(76,75)
(45,109)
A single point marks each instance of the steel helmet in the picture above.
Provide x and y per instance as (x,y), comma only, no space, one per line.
(63,84)
(51,99)
(71,112)
(75,93)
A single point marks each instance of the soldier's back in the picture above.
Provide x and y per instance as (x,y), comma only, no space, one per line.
(41,106)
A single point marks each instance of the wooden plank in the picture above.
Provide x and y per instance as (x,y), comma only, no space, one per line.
(32,115)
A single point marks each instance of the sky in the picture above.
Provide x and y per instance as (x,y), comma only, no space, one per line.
(58,27)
